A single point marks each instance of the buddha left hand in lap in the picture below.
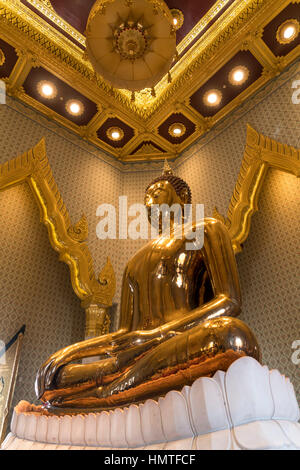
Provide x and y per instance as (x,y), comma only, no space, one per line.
(177,319)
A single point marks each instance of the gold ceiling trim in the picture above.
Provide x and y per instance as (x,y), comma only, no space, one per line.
(201,25)
(45,7)
(42,47)
(261,154)
(34,168)
(225,28)
(26,21)
(220,33)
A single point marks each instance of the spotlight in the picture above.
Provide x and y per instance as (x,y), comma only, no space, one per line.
(47,89)
(115,133)
(212,98)
(178,18)
(239,75)
(177,130)
(75,107)
(288,31)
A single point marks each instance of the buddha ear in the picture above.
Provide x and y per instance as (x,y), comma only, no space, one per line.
(184,195)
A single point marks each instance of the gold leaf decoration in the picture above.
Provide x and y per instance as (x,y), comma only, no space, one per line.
(107,280)
(261,153)
(80,231)
(2,58)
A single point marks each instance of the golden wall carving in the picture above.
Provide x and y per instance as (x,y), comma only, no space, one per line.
(261,154)
(34,168)
(97,292)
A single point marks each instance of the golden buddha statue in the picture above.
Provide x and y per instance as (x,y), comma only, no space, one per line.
(177,319)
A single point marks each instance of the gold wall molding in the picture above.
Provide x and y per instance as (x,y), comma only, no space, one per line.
(261,154)
(33,167)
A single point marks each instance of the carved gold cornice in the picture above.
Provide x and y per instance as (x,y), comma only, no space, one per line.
(68,240)
(45,7)
(36,29)
(239,28)
(261,154)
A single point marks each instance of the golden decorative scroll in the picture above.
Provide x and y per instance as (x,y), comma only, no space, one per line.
(261,153)
(34,168)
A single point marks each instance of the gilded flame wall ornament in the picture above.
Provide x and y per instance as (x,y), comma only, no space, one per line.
(80,231)
(68,240)
(261,154)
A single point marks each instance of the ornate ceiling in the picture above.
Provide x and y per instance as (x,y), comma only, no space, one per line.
(227,50)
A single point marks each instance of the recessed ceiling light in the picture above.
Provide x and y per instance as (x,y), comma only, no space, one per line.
(212,98)
(239,75)
(115,133)
(47,89)
(177,130)
(178,18)
(75,107)
(288,31)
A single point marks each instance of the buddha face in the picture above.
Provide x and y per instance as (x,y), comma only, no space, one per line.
(162,192)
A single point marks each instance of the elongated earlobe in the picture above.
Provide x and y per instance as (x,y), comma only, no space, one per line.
(184,196)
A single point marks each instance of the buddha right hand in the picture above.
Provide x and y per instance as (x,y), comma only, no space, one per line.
(46,374)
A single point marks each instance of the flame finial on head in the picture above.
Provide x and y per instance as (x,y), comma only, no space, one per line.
(167,169)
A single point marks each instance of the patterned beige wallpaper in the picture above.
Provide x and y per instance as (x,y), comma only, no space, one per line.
(35,287)
(269,264)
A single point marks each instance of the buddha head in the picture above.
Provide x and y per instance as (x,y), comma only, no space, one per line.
(169,190)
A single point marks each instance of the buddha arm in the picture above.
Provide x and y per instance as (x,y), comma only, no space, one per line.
(222,269)
(221,265)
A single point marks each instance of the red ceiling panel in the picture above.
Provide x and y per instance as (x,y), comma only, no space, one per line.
(64,94)
(115,122)
(220,81)
(11,59)
(176,118)
(292,11)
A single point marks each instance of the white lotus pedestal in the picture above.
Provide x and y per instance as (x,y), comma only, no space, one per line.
(248,407)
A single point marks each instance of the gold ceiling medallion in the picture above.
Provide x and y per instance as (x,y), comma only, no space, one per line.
(137,43)
(75,107)
(288,31)
(115,133)
(212,98)
(177,130)
(239,75)
(33,167)
(2,58)
(178,18)
(47,89)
